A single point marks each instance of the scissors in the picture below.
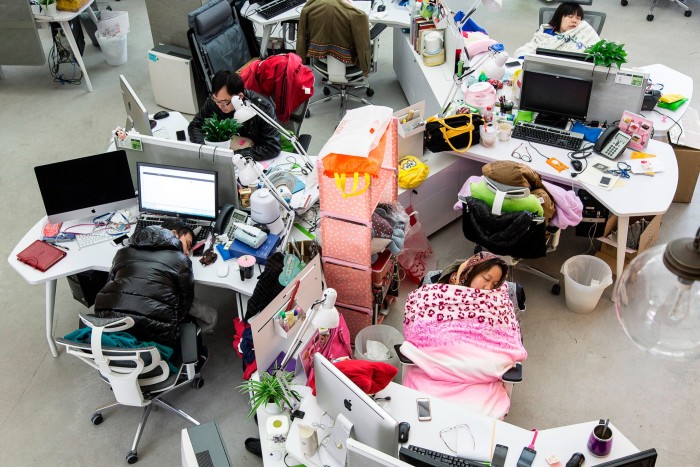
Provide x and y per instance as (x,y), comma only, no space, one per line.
(623,170)
(525,157)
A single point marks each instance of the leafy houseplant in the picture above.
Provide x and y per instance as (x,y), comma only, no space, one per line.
(606,53)
(49,7)
(216,130)
(267,390)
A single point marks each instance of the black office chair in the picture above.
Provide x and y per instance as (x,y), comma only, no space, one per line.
(650,16)
(595,18)
(138,377)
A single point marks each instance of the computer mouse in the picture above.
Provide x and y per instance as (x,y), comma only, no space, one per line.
(576,164)
(404,428)
(161,114)
(381,8)
(222,271)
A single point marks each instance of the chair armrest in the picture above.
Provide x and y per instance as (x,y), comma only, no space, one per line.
(376,30)
(402,358)
(188,342)
(514,375)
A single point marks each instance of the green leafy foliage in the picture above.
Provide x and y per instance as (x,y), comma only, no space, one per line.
(220,130)
(46,2)
(607,53)
(267,389)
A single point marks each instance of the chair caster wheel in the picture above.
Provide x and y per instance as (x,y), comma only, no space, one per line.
(308,114)
(97,418)
(369,92)
(650,17)
(198,382)
(556,289)
(688,13)
(623,2)
(326,92)
(132,457)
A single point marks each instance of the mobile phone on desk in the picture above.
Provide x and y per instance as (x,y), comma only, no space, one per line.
(424,414)
(526,457)
(119,241)
(499,456)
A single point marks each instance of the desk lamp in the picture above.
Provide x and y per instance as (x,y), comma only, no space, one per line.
(325,317)
(490,4)
(245,110)
(657,300)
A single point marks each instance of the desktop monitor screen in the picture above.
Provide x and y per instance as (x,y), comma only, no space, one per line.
(136,114)
(177,191)
(87,186)
(337,395)
(555,96)
(641,459)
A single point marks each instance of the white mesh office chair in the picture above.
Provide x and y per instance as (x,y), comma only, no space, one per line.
(595,18)
(138,376)
(650,16)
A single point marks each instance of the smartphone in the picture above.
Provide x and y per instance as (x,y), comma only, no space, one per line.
(181,135)
(605,181)
(423,404)
(512,64)
(526,457)
(499,456)
(119,241)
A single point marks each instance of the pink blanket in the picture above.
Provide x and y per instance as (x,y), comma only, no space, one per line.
(462,340)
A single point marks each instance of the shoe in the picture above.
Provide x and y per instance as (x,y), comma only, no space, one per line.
(252,445)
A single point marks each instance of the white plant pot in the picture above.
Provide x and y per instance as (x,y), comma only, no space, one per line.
(51,9)
(36,9)
(221,144)
(272,408)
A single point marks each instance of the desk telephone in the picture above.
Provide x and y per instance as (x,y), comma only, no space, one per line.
(612,142)
(234,221)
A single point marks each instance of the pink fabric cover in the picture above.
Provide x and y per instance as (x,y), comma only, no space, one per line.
(461,341)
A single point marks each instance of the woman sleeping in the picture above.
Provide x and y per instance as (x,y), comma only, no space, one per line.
(462,334)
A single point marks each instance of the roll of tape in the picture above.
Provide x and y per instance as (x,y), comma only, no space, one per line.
(277,428)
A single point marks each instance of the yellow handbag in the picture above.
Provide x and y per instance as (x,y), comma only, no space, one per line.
(412,172)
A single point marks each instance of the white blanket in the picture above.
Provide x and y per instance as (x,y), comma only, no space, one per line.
(575,40)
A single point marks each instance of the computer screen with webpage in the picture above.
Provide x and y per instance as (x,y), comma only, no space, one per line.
(177,191)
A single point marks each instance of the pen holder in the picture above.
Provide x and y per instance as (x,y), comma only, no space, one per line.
(279,323)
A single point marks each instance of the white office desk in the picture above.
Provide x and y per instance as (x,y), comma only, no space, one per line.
(394,16)
(63,18)
(562,441)
(674,82)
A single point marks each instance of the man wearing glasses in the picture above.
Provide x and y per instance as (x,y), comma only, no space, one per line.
(228,84)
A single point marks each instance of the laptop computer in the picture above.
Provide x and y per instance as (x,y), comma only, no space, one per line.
(167,192)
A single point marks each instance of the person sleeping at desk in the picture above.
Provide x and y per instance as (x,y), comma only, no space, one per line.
(462,335)
(566,31)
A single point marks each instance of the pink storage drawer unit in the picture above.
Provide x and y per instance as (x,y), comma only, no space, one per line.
(357,318)
(346,240)
(353,283)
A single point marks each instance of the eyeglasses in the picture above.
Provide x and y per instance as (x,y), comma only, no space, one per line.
(455,434)
(525,157)
(220,102)
(623,170)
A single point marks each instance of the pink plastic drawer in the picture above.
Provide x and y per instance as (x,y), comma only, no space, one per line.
(353,283)
(346,240)
(357,318)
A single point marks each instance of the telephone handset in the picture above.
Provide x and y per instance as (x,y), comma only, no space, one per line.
(612,142)
(227,217)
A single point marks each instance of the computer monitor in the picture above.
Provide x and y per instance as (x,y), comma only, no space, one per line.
(136,114)
(581,57)
(555,97)
(177,191)
(361,455)
(337,395)
(87,186)
(641,459)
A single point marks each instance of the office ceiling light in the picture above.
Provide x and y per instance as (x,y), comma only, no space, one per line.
(658,299)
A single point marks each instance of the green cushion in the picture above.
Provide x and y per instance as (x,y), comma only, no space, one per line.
(529,203)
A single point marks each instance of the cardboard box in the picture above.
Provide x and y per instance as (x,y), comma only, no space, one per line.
(688,169)
(647,239)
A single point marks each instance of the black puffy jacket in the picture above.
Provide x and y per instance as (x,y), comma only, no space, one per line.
(151,281)
(264,136)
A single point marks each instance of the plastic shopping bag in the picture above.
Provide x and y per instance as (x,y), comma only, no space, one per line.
(417,257)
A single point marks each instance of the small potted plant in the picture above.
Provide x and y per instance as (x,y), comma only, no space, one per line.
(268,392)
(49,7)
(219,132)
(606,53)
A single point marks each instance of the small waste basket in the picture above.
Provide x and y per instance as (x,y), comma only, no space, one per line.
(385,335)
(113,48)
(585,278)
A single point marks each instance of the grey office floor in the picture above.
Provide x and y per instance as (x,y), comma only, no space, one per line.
(580,367)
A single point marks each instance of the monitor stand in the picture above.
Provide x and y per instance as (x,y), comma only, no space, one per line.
(554,121)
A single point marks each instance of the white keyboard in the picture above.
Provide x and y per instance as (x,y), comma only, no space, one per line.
(85,240)
(163,133)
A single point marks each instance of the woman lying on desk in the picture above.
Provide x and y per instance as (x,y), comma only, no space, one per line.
(566,31)
(462,334)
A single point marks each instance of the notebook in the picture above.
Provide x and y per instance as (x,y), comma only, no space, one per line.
(40,255)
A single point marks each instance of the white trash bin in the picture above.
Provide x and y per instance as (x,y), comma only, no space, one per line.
(585,278)
(113,48)
(388,336)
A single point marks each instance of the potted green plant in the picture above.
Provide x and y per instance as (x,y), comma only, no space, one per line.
(268,392)
(49,7)
(219,132)
(606,53)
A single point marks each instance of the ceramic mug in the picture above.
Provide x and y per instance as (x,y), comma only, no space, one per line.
(600,441)
(488,135)
(505,129)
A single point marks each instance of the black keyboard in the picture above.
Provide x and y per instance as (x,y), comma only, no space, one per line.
(421,457)
(201,228)
(277,7)
(547,135)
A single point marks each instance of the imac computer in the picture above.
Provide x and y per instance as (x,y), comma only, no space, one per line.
(641,459)
(556,98)
(177,191)
(361,455)
(337,395)
(136,114)
(87,186)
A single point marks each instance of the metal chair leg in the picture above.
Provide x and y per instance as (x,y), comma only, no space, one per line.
(175,410)
(142,424)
